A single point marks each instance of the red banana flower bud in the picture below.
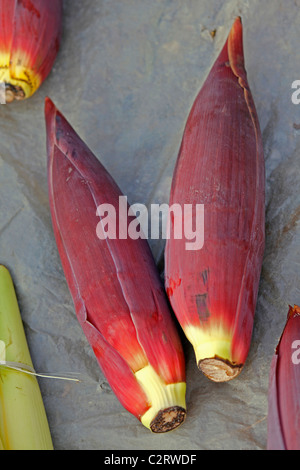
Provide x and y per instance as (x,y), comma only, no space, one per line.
(213,290)
(118,296)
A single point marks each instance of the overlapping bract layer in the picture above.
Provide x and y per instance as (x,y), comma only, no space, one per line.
(118,296)
(213,291)
(30,40)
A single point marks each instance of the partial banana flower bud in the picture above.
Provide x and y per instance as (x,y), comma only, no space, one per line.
(29,43)
(284,388)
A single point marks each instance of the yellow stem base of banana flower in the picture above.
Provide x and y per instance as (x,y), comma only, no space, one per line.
(20,82)
(168,406)
(213,353)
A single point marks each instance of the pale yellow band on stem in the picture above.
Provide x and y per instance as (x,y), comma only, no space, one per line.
(207,345)
(160,395)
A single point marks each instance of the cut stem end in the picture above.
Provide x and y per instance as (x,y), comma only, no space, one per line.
(168,419)
(167,401)
(13,93)
(219,370)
